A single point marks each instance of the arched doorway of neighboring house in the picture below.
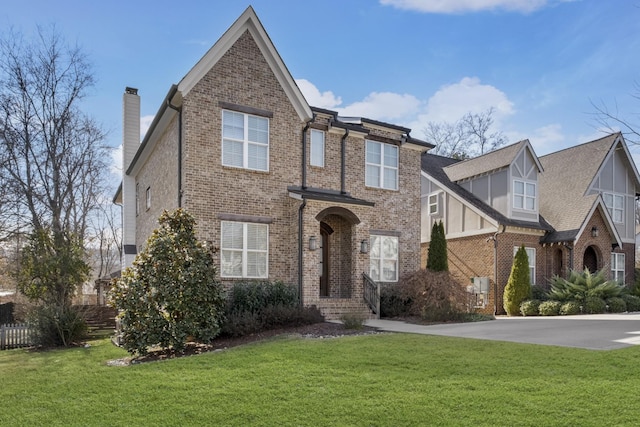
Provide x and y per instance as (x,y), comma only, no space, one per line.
(590,259)
(337,227)
(558,262)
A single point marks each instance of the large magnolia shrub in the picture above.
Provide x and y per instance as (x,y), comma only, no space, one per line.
(170,293)
(582,285)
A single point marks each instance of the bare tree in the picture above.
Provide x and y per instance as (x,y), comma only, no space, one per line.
(611,119)
(470,136)
(105,240)
(52,157)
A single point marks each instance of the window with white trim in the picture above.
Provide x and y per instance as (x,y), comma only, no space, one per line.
(381,165)
(244,248)
(245,141)
(317,148)
(531,255)
(383,256)
(615,206)
(434,206)
(617,267)
(148,198)
(524,195)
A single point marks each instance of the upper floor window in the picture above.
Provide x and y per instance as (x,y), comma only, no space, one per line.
(245,141)
(383,258)
(434,207)
(615,206)
(244,249)
(531,255)
(317,148)
(381,165)
(617,267)
(524,195)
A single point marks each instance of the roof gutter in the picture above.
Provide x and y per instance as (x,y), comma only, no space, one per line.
(495,267)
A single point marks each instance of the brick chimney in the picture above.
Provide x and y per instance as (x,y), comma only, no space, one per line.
(130,144)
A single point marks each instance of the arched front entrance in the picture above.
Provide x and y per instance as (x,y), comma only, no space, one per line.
(336,238)
(590,259)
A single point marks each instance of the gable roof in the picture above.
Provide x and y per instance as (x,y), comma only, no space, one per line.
(437,168)
(249,21)
(567,178)
(494,160)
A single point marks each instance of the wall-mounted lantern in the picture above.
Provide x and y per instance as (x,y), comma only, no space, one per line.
(313,243)
(364,247)
(594,231)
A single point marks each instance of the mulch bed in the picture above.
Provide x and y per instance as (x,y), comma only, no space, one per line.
(316,331)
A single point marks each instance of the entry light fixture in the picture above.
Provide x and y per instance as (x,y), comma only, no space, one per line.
(594,231)
(364,246)
(313,243)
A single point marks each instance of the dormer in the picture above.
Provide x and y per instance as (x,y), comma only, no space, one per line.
(505,179)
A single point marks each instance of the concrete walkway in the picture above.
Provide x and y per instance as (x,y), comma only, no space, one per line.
(594,332)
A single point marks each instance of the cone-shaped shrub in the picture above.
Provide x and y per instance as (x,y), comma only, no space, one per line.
(518,287)
(437,256)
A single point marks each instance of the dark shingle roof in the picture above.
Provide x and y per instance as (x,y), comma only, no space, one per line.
(435,166)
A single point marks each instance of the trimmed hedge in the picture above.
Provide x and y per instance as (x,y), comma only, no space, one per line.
(632,301)
(530,307)
(616,305)
(549,308)
(570,308)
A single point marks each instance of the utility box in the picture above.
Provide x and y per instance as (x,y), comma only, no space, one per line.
(480,291)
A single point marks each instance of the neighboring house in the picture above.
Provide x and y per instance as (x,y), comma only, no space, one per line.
(572,209)
(282,191)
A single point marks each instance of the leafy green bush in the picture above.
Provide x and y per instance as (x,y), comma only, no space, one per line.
(170,293)
(632,301)
(549,308)
(530,307)
(353,320)
(594,305)
(582,285)
(55,326)
(519,284)
(570,308)
(539,293)
(616,305)
(255,296)
(238,324)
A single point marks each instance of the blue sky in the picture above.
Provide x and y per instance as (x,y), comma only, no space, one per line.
(539,63)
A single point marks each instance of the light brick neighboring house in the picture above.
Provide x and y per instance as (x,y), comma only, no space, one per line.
(281,190)
(572,209)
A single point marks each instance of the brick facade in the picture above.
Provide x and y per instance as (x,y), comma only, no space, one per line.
(210,191)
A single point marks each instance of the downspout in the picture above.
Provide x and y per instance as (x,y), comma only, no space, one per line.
(179,110)
(304,154)
(300,235)
(343,161)
(495,267)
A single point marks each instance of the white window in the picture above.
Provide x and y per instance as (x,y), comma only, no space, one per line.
(617,267)
(524,195)
(433,204)
(317,148)
(531,255)
(243,249)
(383,265)
(148,198)
(245,141)
(382,165)
(615,206)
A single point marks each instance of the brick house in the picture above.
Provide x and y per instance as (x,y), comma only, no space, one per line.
(281,190)
(572,209)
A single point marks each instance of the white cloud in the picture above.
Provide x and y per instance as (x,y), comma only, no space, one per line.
(545,139)
(316,98)
(145,123)
(384,106)
(462,6)
(453,101)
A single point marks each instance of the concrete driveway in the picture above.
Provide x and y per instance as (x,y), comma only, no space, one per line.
(594,332)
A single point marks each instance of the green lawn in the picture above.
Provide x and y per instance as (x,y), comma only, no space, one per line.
(380,380)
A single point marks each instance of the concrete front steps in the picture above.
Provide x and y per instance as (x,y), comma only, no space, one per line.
(334,308)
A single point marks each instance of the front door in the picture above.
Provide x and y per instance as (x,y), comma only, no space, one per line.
(590,259)
(324,262)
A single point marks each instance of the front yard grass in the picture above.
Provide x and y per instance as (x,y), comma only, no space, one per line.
(378,380)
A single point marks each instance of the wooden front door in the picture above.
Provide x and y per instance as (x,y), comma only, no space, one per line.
(324,262)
